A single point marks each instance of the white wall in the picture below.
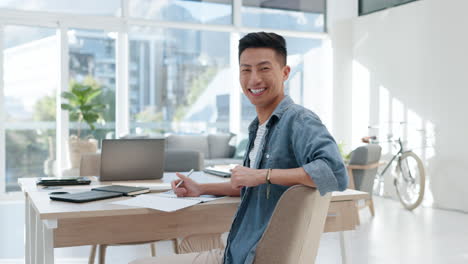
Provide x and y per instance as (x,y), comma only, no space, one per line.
(411,63)
(339,14)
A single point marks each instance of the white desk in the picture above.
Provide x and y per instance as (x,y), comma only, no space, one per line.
(52,224)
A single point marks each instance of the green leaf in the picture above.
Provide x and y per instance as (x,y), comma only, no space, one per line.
(92,95)
(74,116)
(90,117)
(99,107)
(67,107)
(69,96)
(77,89)
(81,99)
(91,125)
(86,108)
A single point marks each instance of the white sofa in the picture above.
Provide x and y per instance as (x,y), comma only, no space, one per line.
(214,147)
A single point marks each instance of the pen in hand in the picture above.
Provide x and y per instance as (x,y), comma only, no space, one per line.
(181,181)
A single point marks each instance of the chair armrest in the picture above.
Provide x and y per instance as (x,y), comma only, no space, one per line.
(351,167)
(364,167)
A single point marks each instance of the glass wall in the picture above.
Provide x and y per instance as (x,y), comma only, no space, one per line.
(179,81)
(30,84)
(92,62)
(191,11)
(88,7)
(287,15)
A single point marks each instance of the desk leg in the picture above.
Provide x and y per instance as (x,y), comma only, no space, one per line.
(27,231)
(344,245)
(39,240)
(48,242)
(43,240)
(32,235)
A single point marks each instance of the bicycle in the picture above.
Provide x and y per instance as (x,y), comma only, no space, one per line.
(410,177)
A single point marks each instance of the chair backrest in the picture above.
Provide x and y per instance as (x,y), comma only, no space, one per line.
(365,155)
(293,233)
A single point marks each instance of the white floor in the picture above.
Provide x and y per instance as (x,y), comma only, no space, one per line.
(394,235)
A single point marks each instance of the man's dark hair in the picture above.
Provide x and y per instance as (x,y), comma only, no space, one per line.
(265,40)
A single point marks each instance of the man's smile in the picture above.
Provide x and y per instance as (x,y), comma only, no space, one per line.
(257,91)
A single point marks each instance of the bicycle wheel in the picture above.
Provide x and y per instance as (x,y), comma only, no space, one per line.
(410,180)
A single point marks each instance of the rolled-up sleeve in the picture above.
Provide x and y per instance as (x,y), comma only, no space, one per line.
(316,151)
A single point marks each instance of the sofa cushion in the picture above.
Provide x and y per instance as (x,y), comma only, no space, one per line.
(189,142)
(218,145)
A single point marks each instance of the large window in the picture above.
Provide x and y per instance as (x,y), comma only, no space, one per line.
(164,67)
(30,83)
(179,81)
(92,62)
(88,7)
(192,11)
(288,15)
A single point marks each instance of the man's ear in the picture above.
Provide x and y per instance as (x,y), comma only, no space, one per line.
(286,71)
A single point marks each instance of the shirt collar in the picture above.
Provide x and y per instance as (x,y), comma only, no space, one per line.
(285,103)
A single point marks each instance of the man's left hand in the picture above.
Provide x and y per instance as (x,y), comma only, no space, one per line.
(243,176)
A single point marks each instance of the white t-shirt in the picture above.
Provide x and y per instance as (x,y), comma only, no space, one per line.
(257,143)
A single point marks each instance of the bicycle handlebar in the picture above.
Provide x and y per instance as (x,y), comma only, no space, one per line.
(368,139)
(374,140)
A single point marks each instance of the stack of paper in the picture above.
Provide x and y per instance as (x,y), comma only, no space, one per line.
(167,202)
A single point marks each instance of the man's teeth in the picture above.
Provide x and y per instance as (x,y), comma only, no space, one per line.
(256,91)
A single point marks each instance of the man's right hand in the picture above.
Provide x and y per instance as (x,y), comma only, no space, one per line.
(189,188)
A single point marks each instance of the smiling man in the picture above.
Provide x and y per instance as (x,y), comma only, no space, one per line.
(288,145)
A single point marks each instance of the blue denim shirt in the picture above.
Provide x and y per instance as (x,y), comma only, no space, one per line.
(295,137)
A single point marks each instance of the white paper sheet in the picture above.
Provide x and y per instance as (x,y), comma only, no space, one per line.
(157,202)
(202,199)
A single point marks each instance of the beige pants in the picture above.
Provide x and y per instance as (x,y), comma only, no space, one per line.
(214,256)
(209,248)
(199,243)
(195,249)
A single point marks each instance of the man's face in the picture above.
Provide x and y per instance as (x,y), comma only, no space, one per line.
(262,76)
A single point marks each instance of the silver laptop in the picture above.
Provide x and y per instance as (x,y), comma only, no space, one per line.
(132,159)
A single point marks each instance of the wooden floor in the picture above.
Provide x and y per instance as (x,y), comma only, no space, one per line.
(394,235)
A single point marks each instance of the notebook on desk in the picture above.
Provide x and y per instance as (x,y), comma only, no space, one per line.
(82,197)
(123,189)
(99,193)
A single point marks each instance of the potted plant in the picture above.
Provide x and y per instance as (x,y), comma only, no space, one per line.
(344,155)
(82,107)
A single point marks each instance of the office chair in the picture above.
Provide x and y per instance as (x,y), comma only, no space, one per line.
(362,169)
(291,237)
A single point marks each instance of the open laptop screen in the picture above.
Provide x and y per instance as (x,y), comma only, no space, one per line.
(132,159)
